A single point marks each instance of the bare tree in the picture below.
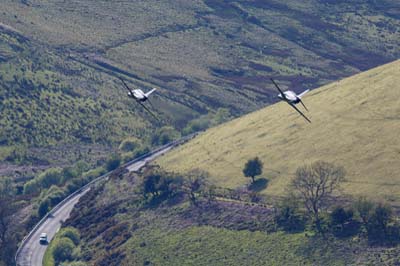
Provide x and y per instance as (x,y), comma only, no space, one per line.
(314,184)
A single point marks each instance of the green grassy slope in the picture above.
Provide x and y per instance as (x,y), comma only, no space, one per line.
(355,123)
(116,228)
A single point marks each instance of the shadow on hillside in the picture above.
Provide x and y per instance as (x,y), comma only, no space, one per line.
(259,185)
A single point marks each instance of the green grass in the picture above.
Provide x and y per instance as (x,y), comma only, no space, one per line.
(355,123)
(215,246)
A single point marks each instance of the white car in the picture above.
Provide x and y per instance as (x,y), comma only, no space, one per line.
(43,238)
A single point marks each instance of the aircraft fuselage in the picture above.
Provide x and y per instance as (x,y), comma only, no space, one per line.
(290,96)
(138,95)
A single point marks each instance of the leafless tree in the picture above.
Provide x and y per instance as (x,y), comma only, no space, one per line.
(314,184)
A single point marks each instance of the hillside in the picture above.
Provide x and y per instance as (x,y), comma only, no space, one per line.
(118,226)
(355,123)
(61,59)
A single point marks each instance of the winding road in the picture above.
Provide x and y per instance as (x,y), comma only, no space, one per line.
(31,252)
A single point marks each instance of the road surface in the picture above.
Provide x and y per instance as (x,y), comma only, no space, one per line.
(32,252)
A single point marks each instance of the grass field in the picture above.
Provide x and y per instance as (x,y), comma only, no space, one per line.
(355,123)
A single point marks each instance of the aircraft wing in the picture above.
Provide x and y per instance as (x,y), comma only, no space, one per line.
(305,117)
(303,93)
(147,109)
(150,92)
(279,89)
(126,86)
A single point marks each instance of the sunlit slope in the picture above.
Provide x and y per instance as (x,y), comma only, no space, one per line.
(355,123)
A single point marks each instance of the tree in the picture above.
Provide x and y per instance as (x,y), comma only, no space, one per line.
(113,162)
(364,208)
(72,233)
(164,135)
(314,184)
(252,168)
(195,182)
(339,216)
(151,184)
(288,215)
(63,250)
(43,208)
(340,221)
(130,144)
(377,227)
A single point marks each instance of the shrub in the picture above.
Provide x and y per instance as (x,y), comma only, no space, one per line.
(55,195)
(113,162)
(378,223)
(43,208)
(31,187)
(364,209)
(342,223)
(52,176)
(164,135)
(130,144)
(73,234)
(63,250)
(339,216)
(288,215)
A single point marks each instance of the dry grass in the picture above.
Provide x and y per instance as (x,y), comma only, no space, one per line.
(355,123)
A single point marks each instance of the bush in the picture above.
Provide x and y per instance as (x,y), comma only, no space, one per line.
(43,208)
(164,135)
(113,162)
(364,209)
(339,216)
(52,176)
(55,195)
(196,125)
(130,144)
(63,250)
(289,217)
(31,187)
(161,184)
(71,233)
(342,223)
(378,223)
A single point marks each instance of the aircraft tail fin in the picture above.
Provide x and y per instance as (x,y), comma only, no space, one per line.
(303,93)
(150,92)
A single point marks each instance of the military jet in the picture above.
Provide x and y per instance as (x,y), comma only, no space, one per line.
(140,96)
(292,99)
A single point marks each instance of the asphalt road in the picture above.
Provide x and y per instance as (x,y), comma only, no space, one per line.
(32,251)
